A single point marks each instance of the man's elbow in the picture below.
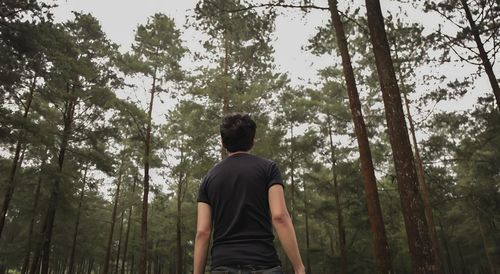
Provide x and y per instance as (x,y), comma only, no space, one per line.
(203,234)
(281,218)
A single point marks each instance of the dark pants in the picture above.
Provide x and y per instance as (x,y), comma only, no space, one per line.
(246,269)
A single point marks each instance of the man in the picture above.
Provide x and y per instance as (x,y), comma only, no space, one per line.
(242,198)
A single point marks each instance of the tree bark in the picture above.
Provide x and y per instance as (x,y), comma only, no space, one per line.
(143,259)
(125,248)
(411,201)
(292,175)
(482,53)
(91,266)
(306,213)
(340,222)
(113,216)
(424,190)
(179,249)
(54,196)
(379,240)
(226,96)
(132,265)
(119,243)
(77,224)
(462,261)
(451,269)
(491,265)
(11,184)
(33,217)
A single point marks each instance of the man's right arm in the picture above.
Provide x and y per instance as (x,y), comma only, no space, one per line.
(284,228)
(203,231)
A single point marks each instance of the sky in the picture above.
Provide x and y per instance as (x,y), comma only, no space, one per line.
(119,18)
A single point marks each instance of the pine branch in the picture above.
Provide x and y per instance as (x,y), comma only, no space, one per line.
(272,5)
(451,20)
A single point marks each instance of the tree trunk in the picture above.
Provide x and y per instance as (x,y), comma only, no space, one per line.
(226,96)
(379,240)
(462,261)
(77,224)
(340,222)
(125,248)
(179,217)
(113,216)
(306,213)
(332,249)
(33,217)
(451,269)
(482,53)
(91,264)
(292,175)
(119,243)
(54,196)
(132,265)
(424,190)
(81,266)
(143,259)
(411,201)
(485,246)
(11,184)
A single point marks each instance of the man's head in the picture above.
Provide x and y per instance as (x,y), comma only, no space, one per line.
(237,131)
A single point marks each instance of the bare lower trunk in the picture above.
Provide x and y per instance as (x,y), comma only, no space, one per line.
(451,269)
(411,201)
(340,221)
(125,248)
(33,217)
(292,175)
(77,224)
(113,216)
(179,249)
(226,96)
(143,259)
(485,245)
(119,243)
(462,261)
(306,213)
(424,191)
(91,265)
(379,240)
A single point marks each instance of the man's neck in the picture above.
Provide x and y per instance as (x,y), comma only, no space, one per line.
(237,152)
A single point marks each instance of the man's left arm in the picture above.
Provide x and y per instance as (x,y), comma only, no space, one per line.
(203,231)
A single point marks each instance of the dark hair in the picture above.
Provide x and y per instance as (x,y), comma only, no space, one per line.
(237,131)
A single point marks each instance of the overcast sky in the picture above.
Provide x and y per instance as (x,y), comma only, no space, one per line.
(119,18)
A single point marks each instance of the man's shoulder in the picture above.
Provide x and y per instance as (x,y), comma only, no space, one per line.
(256,160)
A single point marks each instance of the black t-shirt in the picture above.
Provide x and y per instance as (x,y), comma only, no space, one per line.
(237,191)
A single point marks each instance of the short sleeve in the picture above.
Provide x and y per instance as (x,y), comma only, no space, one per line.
(275,176)
(202,192)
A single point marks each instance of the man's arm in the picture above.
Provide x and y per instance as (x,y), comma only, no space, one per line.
(203,230)
(284,228)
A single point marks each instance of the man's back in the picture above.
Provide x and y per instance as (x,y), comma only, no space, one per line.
(237,191)
(241,199)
